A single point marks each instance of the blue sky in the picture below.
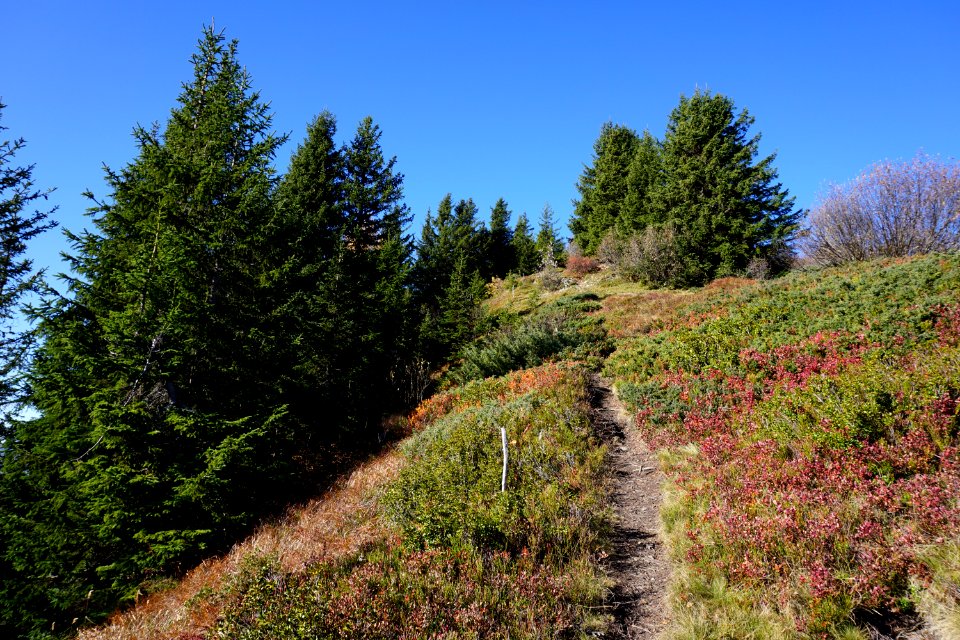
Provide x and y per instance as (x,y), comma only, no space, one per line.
(493,99)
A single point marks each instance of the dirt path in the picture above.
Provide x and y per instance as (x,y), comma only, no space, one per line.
(637,562)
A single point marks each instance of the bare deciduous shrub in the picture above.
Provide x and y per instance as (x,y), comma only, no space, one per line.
(649,256)
(609,250)
(777,259)
(758,269)
(549,276)
(893,209)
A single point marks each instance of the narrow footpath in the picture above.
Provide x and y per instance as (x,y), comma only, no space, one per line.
(637,562)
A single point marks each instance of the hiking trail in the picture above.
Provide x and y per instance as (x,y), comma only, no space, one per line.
(637,562)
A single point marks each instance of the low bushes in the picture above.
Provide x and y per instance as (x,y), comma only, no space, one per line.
(450,493)
(391,593)
(560,330)
(810,431)
(464,559)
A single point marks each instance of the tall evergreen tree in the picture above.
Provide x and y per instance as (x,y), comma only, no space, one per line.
(375,298)
(449,264)
(460,307)
(340,282)
(468,236)
(548,243)
(451,233)
(435,255)
(306,245)
(524,247)
(499,250)
(726,206)
(603,186)
(18,225)
(154,443)
(643,178)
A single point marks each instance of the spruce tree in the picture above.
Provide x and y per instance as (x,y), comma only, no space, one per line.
(524,247)
(374,299)
(603,186)
(19,223)
(18,279)
(643,178)
(340,283)
(499,250)
(548,243)
(306,246)
(459,308)
(449,265)
(435,256)
(154,443)
(727,207)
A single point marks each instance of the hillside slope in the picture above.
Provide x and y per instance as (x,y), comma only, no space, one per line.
(808,428)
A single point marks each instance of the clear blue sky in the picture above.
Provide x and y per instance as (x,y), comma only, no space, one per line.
(490,99)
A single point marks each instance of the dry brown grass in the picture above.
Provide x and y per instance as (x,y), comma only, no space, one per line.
(729,284)
(632,311)
(632,314)
(335,525)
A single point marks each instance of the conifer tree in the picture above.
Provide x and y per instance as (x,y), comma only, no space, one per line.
(548,243)
(467,235)
(445,274)
(306,246)
(18,225)
(459,308)
(435,256)
(603,186)
(340,281)
(154,442)
(643,178)
(375,299)
(499,251)
(726,206)
(524,247)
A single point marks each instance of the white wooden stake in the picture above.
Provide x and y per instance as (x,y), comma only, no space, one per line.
(506,456)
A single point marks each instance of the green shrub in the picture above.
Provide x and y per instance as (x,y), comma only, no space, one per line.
(468,561)
(450,494)
(560,330)
(891,302)
(387,592)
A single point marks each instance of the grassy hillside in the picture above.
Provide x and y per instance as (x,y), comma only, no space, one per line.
(809,430)
(809,427)
(436,548)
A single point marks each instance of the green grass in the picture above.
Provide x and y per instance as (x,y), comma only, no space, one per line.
(558,330)
(464,559)
(810,427)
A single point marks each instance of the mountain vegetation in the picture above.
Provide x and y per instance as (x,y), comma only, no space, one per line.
(698,195)
(892,209)
(18,278)
(233,340)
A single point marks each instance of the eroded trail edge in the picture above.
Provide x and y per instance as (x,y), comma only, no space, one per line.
(637,562)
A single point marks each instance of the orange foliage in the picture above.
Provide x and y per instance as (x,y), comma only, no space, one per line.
(507,387)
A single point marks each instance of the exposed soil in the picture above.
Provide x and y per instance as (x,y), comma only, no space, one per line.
(637,562)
